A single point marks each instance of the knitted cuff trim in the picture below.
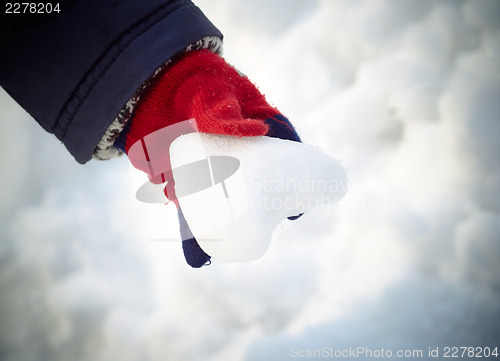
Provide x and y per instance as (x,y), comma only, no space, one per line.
(105,149)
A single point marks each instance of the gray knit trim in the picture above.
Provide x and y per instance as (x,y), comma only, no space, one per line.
(105,149)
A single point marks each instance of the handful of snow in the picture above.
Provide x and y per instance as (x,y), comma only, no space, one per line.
(234,191)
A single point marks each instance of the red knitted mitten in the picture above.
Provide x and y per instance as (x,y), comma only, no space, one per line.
(201,86)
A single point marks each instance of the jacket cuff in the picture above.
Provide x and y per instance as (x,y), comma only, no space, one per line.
(107,148)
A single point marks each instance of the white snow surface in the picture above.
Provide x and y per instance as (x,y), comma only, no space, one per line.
(405,93)
(233,220)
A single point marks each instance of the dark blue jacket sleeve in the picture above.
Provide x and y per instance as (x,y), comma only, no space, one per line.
(75,72)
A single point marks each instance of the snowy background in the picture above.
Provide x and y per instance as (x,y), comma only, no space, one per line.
(406,93)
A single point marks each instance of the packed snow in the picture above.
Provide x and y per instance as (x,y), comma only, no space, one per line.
(233,217)
(404,93)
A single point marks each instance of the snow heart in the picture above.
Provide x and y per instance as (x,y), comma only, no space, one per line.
(234,191)
(242,188)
